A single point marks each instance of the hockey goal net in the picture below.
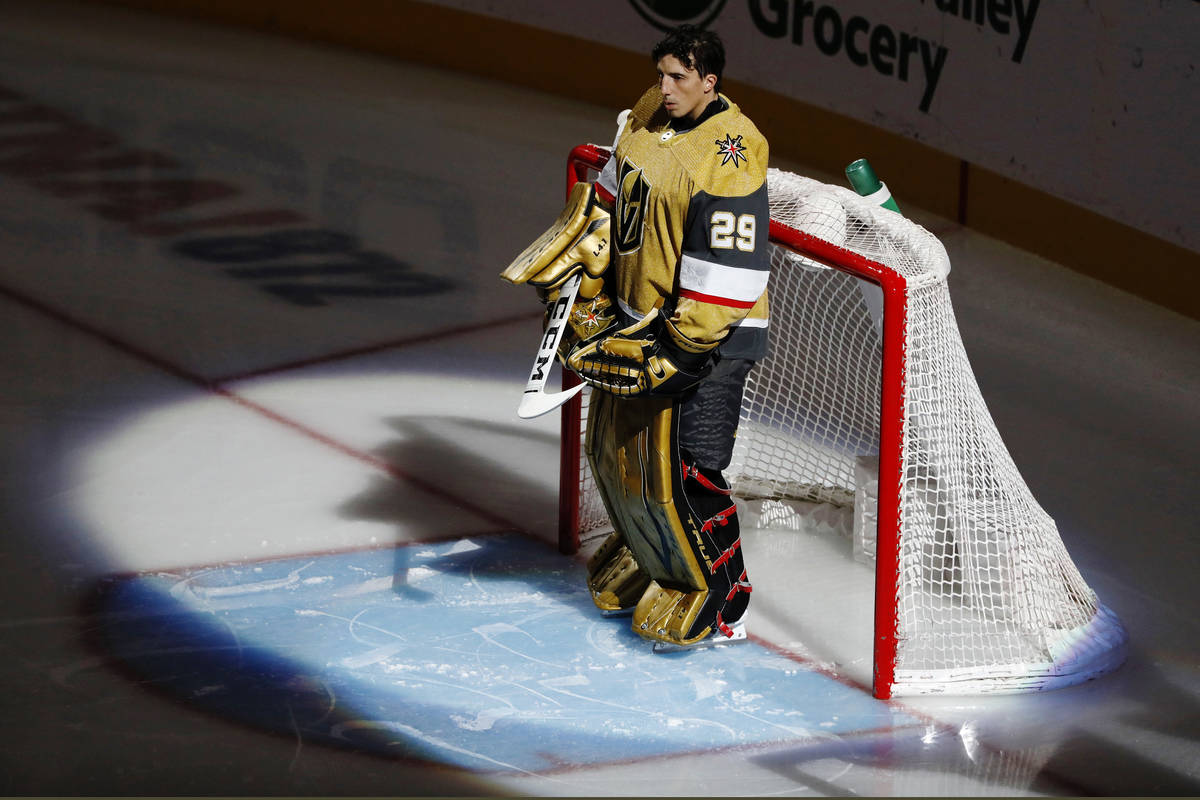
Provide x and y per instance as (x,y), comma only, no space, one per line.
(867,400)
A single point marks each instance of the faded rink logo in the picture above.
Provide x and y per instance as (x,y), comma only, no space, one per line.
(668,14)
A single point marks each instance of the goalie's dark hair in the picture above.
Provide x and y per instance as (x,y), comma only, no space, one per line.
(696,48)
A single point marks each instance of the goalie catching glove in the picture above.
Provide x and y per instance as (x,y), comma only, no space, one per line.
(646,357)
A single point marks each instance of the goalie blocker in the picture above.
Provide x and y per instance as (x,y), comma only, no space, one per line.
(578,243)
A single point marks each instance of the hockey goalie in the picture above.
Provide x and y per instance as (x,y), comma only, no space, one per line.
(669,248)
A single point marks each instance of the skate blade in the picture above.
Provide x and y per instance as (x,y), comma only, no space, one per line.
(617,612)
(716,639)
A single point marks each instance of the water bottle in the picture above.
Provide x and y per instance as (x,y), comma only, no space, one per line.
(864,181)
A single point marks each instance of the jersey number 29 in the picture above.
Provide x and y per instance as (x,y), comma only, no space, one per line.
(728,231)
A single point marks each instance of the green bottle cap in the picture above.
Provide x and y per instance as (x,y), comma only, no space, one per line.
(862,178)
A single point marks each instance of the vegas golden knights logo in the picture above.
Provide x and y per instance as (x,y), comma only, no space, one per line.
(633,195)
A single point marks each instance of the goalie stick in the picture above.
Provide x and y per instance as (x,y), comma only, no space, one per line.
(536,401)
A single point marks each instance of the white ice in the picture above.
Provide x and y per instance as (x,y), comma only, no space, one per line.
(130,443)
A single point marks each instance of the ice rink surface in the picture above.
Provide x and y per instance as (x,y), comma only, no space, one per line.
(271,525)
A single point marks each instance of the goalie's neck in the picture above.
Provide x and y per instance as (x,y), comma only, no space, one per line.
(684,124)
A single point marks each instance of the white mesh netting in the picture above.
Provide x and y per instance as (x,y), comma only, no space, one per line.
(987,597)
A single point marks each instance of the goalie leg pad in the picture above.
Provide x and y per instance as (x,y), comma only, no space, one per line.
(679,525)
(629,449)
(614,577)
(686,618)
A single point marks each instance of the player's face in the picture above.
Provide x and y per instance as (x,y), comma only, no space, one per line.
(685,93)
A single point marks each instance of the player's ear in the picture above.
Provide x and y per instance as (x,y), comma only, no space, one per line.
(710,82)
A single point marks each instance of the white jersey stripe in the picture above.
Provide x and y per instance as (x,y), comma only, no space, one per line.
(718,280)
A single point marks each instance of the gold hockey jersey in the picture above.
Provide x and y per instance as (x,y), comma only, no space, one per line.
(690,226)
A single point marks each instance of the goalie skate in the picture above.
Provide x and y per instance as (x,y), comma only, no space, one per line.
(715,639)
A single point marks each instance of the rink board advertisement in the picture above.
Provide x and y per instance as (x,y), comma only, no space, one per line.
(481,653)
(1091,103)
